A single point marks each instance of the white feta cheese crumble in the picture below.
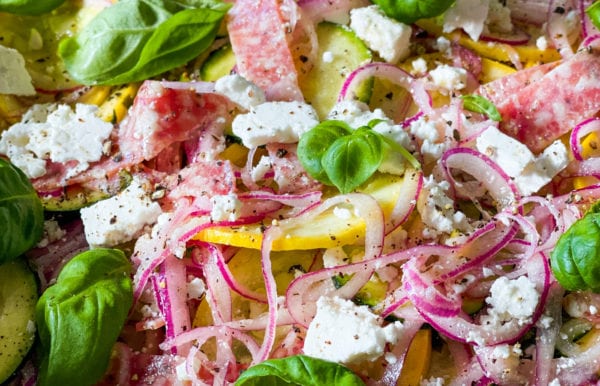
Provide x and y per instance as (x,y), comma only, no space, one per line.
(541,43)
(14,78)
(529,173)
(282,122)
(225,207)
(327,57)
(449,78)
(56,133)
(261,168)
(120,218)
(196,288)
(437,209)
(506,151)
(52,232)
(498,18)
(346,333)
(240,90)
(388,37)
(470,15)
(419,65)
(334,257)
(513,299)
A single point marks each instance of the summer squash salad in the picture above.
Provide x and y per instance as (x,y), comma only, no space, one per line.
(299,192)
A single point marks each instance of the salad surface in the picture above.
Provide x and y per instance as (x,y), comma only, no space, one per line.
(304,192)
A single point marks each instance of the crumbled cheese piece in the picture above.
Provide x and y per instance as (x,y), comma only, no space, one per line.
(419,66)
(14,78)
(541,43)
(433,381)
(334,257)
(240,90)
(548,164)
(449,78)
(470,15)
(196,288)
(225,207)
(327,57)
(56,133)
(282,122)
(261,169)
(498,18)
(426,131)
(346,333)
(437,209)
(529,173)
(52,232)
(388,37)
(120,218)
(506,151)
(513,299)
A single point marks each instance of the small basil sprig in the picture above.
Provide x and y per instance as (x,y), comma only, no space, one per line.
(134,40)
(575,260)
(29,7)
(21,213)
(80,317)
(593,12)
(334,154)
(299,370)
(482,105)
(409,11)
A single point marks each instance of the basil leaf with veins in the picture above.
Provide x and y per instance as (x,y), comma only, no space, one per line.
(134,40)
(29,7)
(575,260)
(409,11)
(300,370)
(21,213)
(81,316)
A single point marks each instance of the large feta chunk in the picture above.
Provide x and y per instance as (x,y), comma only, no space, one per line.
(529,173)
(346,333)
(56,133)
(470,15)
(14,78)
(548,164)
(120,218)
(240,90)
(388,37)
(506,151)
(282,122)
(513,299)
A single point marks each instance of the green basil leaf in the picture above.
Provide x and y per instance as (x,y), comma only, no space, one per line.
(593,12)
(29,7)
(482,105)
(299,370)
(136,39)
(352,159)
(80,317)
(409,11)
(314,143)
(575,260)
(21,213)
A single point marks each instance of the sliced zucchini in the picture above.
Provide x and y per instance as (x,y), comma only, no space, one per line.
(18,297)
(340,52)
(218,64)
